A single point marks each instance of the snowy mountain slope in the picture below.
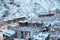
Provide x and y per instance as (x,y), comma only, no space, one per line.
(18,8)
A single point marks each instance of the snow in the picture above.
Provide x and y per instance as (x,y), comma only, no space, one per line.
(28,7)
(41,36)
(8,32)
(14,24)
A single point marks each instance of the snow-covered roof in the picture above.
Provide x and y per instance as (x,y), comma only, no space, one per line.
(14,24)
(41,36)
(8,32)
